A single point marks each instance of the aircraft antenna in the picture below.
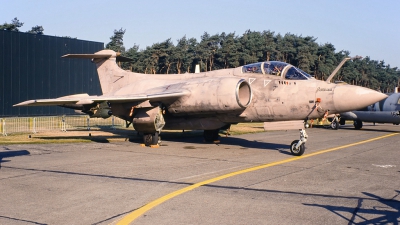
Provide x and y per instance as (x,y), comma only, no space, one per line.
(340,66)
(336,70)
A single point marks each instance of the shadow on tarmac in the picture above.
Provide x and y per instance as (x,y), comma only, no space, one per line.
(375,214)
(388,214)
(189,137)
(9,154)
(21,220)
(381,211)
(196,137)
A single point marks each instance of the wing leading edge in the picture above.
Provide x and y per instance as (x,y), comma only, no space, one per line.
(83,99)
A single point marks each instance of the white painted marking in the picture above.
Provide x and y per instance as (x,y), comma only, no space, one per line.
(266,82)
(251,80)
(384,166)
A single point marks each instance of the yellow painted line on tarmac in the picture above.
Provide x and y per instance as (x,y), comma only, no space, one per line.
(140,211)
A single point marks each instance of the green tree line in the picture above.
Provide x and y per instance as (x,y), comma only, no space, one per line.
(228,50)
(16,24)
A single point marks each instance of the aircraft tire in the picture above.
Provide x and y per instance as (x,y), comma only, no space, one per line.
(358,124)
(150,139)
(211,135)
(297,152)
(335,125)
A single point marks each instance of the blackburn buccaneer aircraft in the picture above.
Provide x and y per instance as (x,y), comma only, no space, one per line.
(385,111)
(213,100)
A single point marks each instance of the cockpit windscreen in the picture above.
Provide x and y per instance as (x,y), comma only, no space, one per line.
(277,68)
(252,68)
(295,73)
(274,67)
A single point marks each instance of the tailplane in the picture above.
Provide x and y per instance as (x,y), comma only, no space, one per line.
(108,71)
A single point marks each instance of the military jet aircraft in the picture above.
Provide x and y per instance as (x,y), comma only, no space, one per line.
(384,111)
(212,100)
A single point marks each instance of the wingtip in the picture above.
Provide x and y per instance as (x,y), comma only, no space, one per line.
(25,103)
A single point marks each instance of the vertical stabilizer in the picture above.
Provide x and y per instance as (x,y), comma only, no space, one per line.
(110,75)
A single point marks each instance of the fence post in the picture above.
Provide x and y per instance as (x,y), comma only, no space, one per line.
(34,125)
(31,124)
(88,122)
(63,127)
(4,127)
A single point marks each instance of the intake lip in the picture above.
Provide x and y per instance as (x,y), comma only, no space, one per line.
(244,94)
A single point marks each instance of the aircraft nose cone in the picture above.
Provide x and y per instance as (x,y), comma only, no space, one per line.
(349,97)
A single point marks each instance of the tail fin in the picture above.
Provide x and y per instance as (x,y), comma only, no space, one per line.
(110,74)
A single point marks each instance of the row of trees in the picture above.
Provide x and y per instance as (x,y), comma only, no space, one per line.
(224,50)
(228,50)
(16,24)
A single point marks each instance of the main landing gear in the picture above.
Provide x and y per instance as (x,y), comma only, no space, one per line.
(151,139)
(335,123)
(149,121)
(297,147)
(358,124)
(211,135)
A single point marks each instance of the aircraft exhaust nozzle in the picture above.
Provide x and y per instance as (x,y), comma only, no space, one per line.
(349,97)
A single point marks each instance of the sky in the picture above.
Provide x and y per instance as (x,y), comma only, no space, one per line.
(362,27)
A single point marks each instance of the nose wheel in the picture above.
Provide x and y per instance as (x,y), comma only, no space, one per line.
(297,151)
(297,147)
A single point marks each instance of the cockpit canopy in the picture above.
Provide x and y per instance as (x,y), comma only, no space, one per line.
(277,68)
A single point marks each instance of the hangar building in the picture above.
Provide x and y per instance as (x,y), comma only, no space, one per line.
(31,67)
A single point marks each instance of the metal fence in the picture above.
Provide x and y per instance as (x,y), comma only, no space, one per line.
(57,123)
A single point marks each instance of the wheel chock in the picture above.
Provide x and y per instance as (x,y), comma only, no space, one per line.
(151,146)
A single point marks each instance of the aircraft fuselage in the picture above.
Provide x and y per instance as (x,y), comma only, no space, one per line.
(212,103)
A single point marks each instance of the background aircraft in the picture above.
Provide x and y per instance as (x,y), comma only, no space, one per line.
(212,100)
(384,111)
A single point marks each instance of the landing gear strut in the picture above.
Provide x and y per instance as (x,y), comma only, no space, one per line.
(297,147)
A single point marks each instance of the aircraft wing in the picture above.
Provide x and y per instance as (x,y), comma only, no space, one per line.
(83,99)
